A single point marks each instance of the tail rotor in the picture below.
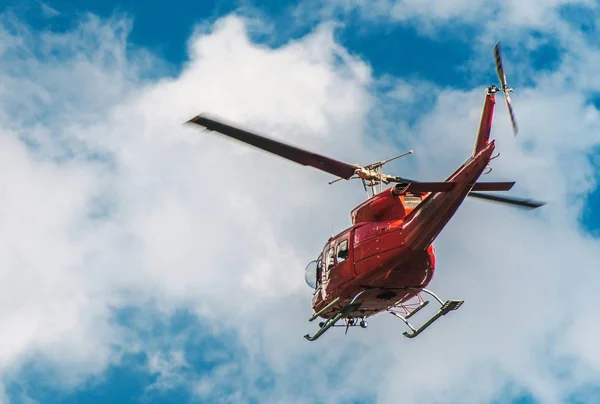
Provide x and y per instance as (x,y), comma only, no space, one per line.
(505,88)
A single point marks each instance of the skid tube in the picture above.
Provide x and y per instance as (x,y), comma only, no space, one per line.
(446,307)
(350,307)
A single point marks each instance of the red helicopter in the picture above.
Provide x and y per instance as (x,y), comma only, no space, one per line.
(385,260)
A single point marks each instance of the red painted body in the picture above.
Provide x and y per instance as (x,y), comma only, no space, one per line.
(390,243)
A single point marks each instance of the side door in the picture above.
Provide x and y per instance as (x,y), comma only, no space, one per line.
(319,293)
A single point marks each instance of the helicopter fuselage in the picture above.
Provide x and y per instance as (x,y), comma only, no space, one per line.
(387,253)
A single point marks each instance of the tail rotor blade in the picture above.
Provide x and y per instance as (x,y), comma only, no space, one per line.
(505,88)
(511,111)
(499,65)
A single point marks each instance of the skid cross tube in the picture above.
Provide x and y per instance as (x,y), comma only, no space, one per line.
(446,307)
(317,314)
(350,307)
(415,311)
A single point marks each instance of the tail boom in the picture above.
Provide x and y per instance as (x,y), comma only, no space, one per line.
(428,219)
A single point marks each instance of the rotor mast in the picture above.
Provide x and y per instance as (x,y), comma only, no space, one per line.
(372,176)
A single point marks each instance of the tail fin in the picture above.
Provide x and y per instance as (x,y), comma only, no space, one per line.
(485,126)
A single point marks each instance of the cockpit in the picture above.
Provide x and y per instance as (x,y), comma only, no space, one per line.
(312,273)
(334,253)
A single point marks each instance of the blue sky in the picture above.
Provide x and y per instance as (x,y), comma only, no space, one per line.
(444,58)
(397,50)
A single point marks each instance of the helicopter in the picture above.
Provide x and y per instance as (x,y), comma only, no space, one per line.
(385,260)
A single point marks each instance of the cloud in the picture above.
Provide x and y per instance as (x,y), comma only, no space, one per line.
(110,202)
(115,202)
(48,11)
(430,15)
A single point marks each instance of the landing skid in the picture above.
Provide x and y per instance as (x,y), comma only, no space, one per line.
(411,309)
(408,310)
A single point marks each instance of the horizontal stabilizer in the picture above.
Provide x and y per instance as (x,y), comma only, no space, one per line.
(492,186)
(479,186)
(417,187)
(449,186)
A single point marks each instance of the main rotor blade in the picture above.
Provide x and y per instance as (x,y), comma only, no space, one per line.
(300,156)
(523,203)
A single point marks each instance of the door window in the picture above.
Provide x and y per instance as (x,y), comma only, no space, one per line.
(342,251)
(329,262)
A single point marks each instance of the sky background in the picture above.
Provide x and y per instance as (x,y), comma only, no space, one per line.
(146,261)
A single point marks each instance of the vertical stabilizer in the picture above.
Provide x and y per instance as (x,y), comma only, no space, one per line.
(485,125)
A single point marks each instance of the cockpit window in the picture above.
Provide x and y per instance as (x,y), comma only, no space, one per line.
(319,271)
(311,274)
(342,251)
(329,260)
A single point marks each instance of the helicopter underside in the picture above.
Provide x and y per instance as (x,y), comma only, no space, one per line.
(389,287)
(399,292)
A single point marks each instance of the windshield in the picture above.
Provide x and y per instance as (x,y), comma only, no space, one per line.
(310,274)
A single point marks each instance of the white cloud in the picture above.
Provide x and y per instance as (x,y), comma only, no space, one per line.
(189,219)
(48,11)
(169,367)
(431,15)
